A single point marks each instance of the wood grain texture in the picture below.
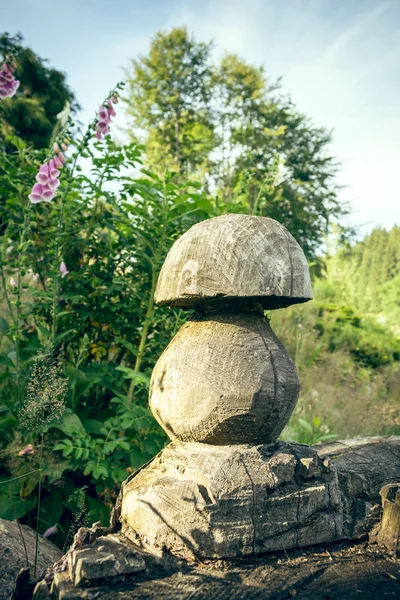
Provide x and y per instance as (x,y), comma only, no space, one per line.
(389,534)
(12,555)
(234,257)
(224,379)
(364,466)
(226,501)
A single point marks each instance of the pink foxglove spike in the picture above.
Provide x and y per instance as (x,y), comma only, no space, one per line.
(54,172)
(36,194)
(8,84)
(43,176)
(50,531)
(63,269)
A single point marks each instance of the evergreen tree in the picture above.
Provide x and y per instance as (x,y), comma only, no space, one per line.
(367,274)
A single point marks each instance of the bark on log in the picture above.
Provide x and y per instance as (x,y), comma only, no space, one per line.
(224,379)
(337,572)
(364,466)
(389,534)
(12,554)
(232,258)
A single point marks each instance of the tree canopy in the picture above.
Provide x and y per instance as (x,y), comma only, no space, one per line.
(228,125)
(32,113)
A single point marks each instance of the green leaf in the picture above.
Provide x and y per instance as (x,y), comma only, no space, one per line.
(59,446)
(5,360)
(19,507)
(135,375)
(62,335)
(43,330)
(63,313)
(327,437)
(124,445)
(305,425)
(92,426)
(69,424)
(4,327)
(126,344)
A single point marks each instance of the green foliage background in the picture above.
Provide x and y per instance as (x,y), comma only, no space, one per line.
(229,126)
(43,92)
(228,130)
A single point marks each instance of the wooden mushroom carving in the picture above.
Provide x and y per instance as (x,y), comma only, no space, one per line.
(225,378)
(224,383)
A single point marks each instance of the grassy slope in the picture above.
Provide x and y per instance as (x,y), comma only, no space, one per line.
(349,369)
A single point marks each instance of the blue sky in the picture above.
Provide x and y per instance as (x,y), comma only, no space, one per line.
(339,60)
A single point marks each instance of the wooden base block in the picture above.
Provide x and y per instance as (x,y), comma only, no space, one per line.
(227,501)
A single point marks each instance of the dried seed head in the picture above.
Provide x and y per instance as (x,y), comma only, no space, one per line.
(45,394)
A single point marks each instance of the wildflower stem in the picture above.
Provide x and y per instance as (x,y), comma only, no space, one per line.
(38,504)
(19,527)
(150,301)
(56,266)
(6,296)
(20,249)
(19,477)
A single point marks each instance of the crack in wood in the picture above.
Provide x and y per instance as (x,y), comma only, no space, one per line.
(253,504)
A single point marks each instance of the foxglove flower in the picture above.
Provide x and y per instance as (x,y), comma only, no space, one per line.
(26,451)
(104,117)
(47,193)
(50,531)
(47,179)
(13,283)
(53,171)
(8,83)
(43,176)
(63,269)
(111,110)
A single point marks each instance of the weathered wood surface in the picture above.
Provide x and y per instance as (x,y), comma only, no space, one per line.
(12,554)
(105,558)
(336,572)
(224,379)
(225,501)
(364,466)
(235,257)
(389,531)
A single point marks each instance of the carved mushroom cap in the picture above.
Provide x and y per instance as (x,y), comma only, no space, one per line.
(231,258)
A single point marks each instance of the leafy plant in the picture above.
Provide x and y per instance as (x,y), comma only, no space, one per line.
(301,431)
(110,231)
